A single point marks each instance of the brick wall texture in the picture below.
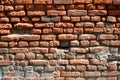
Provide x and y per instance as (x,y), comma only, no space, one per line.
(59,39)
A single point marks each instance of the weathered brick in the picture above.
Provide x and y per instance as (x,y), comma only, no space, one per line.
(66,25)
(58,30)
(114,12)
(35,13)
(87,37)
(3,44)
(7,1)
(56,13)
(44,44)
(3,31)
(47,31)
(77,12)
(30,37)
(103,1)
(20,56)
(12,44)
(36,31)
(21,63)
(97,12)
(6,62)
(18,50)
(116,2)
(108,37)
(94,61)
(91,7)
(70,74)
(23,25)
(79,61)
(79,1)
(42,1)
(23,44)
(39,50)
(4,20)
(54,43)
(80,68)
(17,13)
(23,1)
(34,44)
(79,50)
(10,38)
(91,74)
(111,73)
(74,43)
(44,25)
(115,43)
(19,7)
(67,37)
(63,1)
(48,37)
(111,19)
(38,62)
(30,55)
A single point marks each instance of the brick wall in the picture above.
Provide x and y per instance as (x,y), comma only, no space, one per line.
(59,39)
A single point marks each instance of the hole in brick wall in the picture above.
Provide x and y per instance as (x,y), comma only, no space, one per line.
(64,45)
(21,31)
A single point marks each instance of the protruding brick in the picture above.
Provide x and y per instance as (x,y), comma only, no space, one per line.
(108,37)
(44,25)
(87,37)
(97,12)
(111,19)
(39,50)
(56,13)
(23,25)
(79,50)
(48,37)
(30,55)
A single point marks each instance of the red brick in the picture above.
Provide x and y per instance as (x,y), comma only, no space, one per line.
(39,56)
(23,44)
(97,12)
(70,67)
(35,13)
(19,7)
(17,13)
(66,25)
(87,37)
(47,31)
(38,62)
(79,78)
(80,7)
(57,30)
(84,43)
(44,44)
(36,19)
(10,38)
(6,62)
(70,78)
(91,67)
(7,1)
(95,61)
(2,14)
(102,2)
(91,7)
(35,7)
(42,1)
(60,7)
(18,50)
(4,20)
(49,56)
(70,74)
(68,30)
(20,56)
(23,1)
(111,73)
(79,1)
(108,37)
(39,50)
(79,61)
(112,67)
(30,55)
(115,43)
(98,30)
(80,68)
(23,25)
(34,44)
(3,31)
(77,12)
(12,44)
(44,25)
(88,30)
(25,20)
(30,37)
(50,7)
(95,19)
(102,68)
(56,13)
(75,19)
(85,18)
(3,44)
(101,7)
(91,74)
(70,7)
(5,26)
(36,31)
(21,63)
(81,24)
(15,19)
(94,43)
(48,37)
(54,43)
(79,50)
(63,62)
(67,37)
(53,62)
(89,56)
(63,1)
